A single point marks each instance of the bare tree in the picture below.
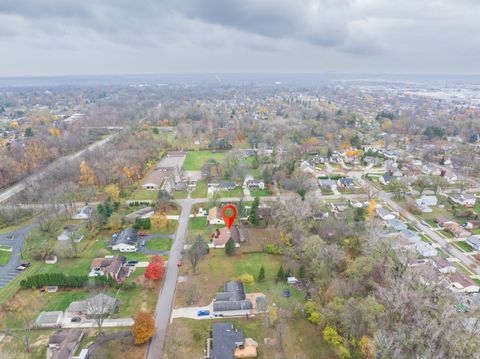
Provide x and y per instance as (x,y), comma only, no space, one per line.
(99,307)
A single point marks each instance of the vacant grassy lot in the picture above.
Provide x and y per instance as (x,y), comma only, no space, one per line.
(201,190)
(197,223)
(237,192)
(12,348)
(196,159)
(144,194)
(159,244)
(260,193)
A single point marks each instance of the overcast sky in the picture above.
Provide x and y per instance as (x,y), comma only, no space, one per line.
(61,37)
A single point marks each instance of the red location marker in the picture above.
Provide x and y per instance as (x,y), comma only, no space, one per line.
(229,220)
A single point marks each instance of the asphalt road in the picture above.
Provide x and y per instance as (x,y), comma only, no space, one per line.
(8,272)
(167,292)
(20,186)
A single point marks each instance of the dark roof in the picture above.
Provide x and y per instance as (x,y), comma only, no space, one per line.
(127,236)
(232,298)
(225,339)
(225,184)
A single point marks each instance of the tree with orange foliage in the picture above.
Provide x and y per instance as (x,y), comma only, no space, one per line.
(155,268)
(367,347)
(143,328)
(55,132)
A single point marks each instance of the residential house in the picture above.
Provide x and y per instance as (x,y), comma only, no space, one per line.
(474,242)
(221,236)
(69,233)
(385,179)
(327,183)
(396,224)
(84,213)
(427,201)
(125,241)
(460,283)
(431,169)
(345,182)
(99,304)
(409,235)
(307,167)
(425,249)
(384,214)
(442,265)
(63,343)
(472,224)
(155,179)
(442,221)
(49,320)
(110,266)
(456,230)
(215,216)
(232,299)
(229,343)
(146,212)
(466,200)
(253,184)
(226,186)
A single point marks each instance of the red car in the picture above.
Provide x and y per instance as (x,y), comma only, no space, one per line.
(142,234)
(180,263)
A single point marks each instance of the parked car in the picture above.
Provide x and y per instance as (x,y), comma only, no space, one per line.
(143,243)
(142,234)
(23,266)
(76,319)
(203,313)
(180,263)
(11,237)
(115,235)
(132,263)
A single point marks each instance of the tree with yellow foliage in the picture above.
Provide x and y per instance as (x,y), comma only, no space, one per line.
(113,192)
(87,176)
(371,208)
(55,132)
(14,125)
(159,220)
(143,328)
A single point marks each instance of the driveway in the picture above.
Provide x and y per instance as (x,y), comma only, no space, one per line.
(89,323)
(191,312)
(8,272)
(145,250)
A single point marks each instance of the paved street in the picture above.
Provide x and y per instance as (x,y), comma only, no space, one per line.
(8,272)
(167,292)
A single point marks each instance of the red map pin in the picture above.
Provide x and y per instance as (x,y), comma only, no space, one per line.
(229,220)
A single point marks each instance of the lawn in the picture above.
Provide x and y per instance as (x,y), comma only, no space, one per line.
(179,194)
(196,159)
(260,193)
(463,246)
(12,348)
(169,228)
(201,190)
(197,223)
(159,244)
(5,255)
(144,194)
(237,192)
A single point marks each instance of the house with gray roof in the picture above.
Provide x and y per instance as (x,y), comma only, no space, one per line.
(396,224)
(474,242)
(232,299)
(125,241)
(227,342)
(99,304)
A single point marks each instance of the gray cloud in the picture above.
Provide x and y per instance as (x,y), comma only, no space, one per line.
(123,36)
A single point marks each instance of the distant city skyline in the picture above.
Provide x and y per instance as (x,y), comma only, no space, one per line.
(54,38)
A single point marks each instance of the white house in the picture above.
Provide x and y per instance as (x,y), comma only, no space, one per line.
(425,249)
(442,265)
(125,241)
(466,200)
(83,213)
(384,214)
(427,200)
(307,167)
(460,283)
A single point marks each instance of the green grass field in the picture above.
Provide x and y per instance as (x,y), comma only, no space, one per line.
(463,246)
(237,192)
(159,244)
(144,194)
(196,159)
(4,256)
(200,190)
(260,193)
(197,223)
(179,194)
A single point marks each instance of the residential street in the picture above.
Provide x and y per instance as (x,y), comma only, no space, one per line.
(8,272)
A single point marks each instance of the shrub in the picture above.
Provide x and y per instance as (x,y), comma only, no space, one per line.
(230,247)
(246,278)
(272,249)
(261,274)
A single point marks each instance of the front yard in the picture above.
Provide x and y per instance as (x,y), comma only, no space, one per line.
(196,159)
(159,244)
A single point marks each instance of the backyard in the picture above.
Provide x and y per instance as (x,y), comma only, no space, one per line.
(196,159)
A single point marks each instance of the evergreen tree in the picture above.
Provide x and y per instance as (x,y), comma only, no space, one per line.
(301,272)
(280,274)
(230,247)
(261,274)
